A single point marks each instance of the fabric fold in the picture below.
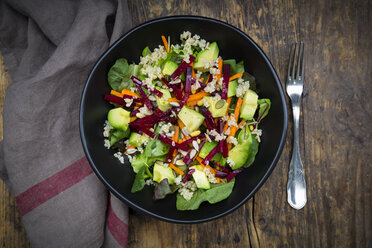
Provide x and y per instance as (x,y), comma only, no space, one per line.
(50,48)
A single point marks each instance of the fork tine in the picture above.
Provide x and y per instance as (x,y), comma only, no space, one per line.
(300,61)
(291,60)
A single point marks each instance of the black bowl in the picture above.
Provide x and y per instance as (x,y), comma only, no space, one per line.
(233,43)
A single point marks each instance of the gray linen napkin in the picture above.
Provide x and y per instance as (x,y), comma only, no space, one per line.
(49,48)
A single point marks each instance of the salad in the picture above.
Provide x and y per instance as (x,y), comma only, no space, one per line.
(186,118)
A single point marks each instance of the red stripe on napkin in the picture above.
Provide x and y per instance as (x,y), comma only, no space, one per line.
(52,186)
(117,227)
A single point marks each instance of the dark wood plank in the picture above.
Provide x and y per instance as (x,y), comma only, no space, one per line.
(335,127)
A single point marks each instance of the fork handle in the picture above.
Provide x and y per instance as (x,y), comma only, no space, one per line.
(296,187)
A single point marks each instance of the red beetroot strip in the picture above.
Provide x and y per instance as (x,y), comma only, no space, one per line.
(184,180)
(181,68)
(142,94)
(139,82)
(210,156)
(233,174)
(208,119)
(114,99)
(177,92)
(225,81)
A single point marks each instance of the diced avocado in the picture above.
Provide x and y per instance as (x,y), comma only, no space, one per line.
(217,108)
(206,55)
(169,67)
(232,88)
(249,105)
(200,178)
(119,118)
(162,102)
(239,154)
(160,172)
(191,118)
(136,139)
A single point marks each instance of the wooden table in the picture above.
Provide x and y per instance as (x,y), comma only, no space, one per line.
(335,132)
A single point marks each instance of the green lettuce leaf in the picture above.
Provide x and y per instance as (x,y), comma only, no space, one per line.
(263,105)
(119,75)
(216,193)
(139,180)
(235,67)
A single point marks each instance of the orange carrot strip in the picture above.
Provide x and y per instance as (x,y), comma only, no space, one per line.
(220,61)
(180,124)
(132,119)
(173,99)
(196,97)
(128,92)
(218,179)
(237,108)
(176,169)
(176,132)
(165,43)
(241,123)
(115,93)
(226,124)
(237,75)
(192,103)
(228,105)
(192,71)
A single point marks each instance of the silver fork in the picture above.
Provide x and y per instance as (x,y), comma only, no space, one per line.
(296,187)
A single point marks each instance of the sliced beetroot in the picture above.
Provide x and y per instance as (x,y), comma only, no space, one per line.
(233,174)
(189,141)
(225,81)
(210,156)
(208,118)
(177,92)
(137,81)
(144,97)
(170,154)
(221,174)
(225,151)
(114,99)
(188,175)
(181,68)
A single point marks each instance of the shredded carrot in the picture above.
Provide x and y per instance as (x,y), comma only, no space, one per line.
(226,124)
(218,179)
(241,123)
(132,119)
(200,160)
(191,103)
(130,147)
(176,132)
(197,96)
(229,146)
(180,124)
(237,75)
(220,61)
(192,71)
(176,169)
(115,93)
(128,92)
(228,105)
(165,43)
(173,99)
(237,108)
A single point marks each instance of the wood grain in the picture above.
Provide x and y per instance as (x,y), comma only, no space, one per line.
(335,131)
(12,232)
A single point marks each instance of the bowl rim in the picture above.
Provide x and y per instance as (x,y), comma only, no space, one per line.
(267,173)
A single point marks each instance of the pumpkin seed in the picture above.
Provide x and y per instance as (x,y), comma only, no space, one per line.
(220,104)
